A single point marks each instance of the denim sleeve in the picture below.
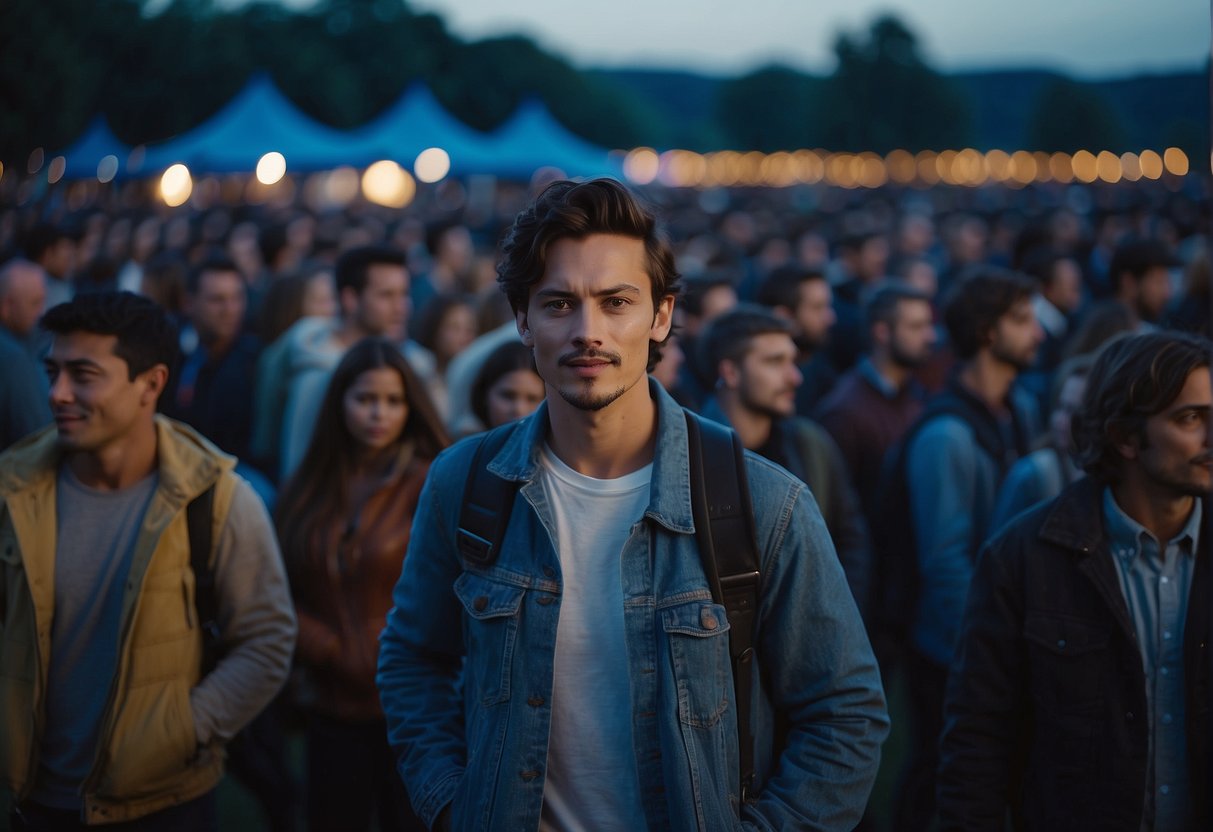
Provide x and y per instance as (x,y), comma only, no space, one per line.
(819,670)
(943,481)
(985,718)
(420,657)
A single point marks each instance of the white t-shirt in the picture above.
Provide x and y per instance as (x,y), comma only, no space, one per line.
(592,782)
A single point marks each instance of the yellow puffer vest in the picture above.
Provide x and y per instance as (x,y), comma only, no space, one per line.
(147,757)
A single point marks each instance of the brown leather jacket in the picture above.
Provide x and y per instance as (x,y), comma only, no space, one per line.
(343,590)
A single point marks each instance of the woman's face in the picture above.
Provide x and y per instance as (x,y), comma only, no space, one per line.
(514,395)
(375,409)
(457,331)
(319,298)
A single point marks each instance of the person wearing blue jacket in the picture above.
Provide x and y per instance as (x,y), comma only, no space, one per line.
(582,679)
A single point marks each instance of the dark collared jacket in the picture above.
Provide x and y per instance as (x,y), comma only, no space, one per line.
(1046,707)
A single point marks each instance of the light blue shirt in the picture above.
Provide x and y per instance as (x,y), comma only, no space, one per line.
(1156,581)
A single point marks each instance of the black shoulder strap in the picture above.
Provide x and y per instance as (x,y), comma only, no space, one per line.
(724,528)
(199,517)
(488,501)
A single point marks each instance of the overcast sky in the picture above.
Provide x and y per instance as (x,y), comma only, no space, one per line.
(1086,38)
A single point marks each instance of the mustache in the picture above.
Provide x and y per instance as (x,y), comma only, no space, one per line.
(580,355)
(1204,459)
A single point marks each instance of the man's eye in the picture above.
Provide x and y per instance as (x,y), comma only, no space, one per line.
(617,303)
(557,305)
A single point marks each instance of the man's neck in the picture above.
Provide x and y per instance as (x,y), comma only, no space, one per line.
(608,443)
(116,466)
(989,379)
(349,333)
(888,369)
(1163,513)
(753,427)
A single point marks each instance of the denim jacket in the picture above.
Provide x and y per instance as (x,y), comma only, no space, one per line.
(465,663)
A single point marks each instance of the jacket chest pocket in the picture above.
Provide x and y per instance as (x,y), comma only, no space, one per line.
(1068,660)
(698,638)
(491,612)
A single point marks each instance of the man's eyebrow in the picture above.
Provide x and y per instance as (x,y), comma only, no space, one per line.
(72,363)
(621,289)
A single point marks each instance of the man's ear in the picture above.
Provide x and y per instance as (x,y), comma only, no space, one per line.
(524,329)
(729,373)
(155,379)
(663,319)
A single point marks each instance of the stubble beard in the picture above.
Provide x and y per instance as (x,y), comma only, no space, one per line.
(588,400)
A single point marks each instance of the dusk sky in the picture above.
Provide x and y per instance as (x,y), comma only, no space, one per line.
(1085,38)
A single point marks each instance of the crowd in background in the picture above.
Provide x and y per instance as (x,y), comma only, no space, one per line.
(335,352)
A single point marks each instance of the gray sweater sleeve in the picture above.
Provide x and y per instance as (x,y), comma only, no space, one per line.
(256,619)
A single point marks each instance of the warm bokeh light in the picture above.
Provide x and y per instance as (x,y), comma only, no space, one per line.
(386,183)
(901,167)
(56,169)
(432,165)
(928,167)
(107,168)
(1108,167)
(176,185)
(1,170)
(271,168)
(1151,164)
(1130,165)
(1023,167)
(1062,168)
(641,165)
(340,186)
(1175,161)
(779,170)
(872,171)
(809,167)
(1084,166)
(1044,168)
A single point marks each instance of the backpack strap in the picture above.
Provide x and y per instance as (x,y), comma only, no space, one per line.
(199,518)
(724,530)
(488,501)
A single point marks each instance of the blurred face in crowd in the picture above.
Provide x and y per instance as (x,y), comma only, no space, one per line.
(766,379)
(96,405)
(455,249)
(1174,456)
(912,336)
(22,297)
(217,310)
(814,314)
(1154,292)
(1017,336)
(1065,290)
(375,408)
(382,307)
(458,329)
(672,358)
(319,297)
(873,259)
(514,395)
(590,320)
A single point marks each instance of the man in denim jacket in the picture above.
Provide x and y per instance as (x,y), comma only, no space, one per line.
(582,679)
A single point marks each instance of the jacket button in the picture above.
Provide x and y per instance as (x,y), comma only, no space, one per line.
(1128,716)
(530,774)
(480,604)
(535,701)
(549,572)
(708,620)
(544,600)
(1061,642)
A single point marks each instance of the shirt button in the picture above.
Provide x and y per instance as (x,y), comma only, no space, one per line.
(1164,579)
(1167,719)
(1128,716)
(1165,789)
(480,604)
(1061,642)
(1165,672)
(1166,634)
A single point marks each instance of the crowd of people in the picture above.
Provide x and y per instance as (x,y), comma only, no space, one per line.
(936,366)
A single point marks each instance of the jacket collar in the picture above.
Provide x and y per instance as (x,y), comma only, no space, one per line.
(1075,520)
(670,490)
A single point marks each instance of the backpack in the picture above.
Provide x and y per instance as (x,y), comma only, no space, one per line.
(896,576)
(724,531)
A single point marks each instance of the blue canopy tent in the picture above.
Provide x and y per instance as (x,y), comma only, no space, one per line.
(257,121)
(532,139)
(97,142)
(417,122)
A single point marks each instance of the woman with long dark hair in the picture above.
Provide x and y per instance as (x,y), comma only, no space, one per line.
(343,521)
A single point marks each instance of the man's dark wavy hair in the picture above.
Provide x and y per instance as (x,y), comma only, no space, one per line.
(146,335)
(1134,378)
(575,210)
(972,307)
